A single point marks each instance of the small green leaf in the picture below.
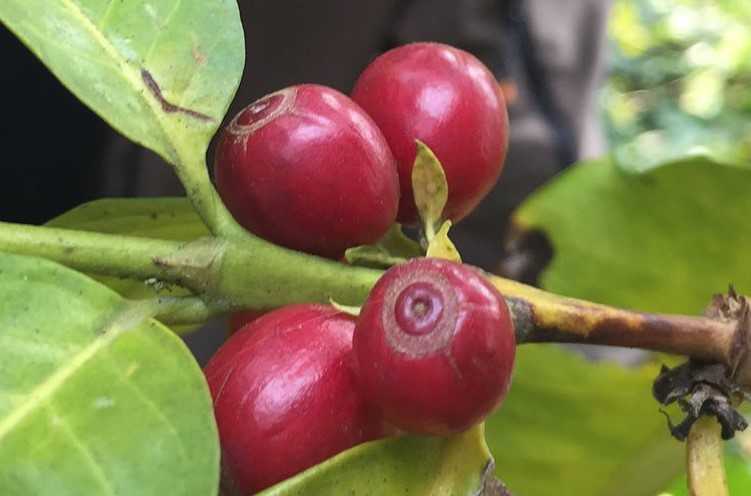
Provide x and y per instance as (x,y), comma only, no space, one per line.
(95,397)
(395,247)
(161,72)
(441,245)
(419,466)
(348,309)
(429,187)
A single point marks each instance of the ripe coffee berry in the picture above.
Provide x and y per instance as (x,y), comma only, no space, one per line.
(306,168)
(435,346)
(285,395)
(448,99)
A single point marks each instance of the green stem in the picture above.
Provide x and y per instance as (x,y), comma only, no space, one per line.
(704,459)
(106,254)
(251,273)
(225,274)
(193,174)
(181,310)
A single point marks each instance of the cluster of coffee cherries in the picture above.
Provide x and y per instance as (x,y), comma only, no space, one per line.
(312,169)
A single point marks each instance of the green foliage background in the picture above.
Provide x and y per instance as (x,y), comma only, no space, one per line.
(680,80)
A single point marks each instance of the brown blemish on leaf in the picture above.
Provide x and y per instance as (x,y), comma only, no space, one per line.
(198,56)
(167,106)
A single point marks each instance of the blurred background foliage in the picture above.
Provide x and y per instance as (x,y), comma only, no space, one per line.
(680,81)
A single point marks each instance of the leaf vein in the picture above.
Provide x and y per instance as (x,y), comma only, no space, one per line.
(167,20)
(44,390)
(131,74)
(83,449)
(106,16)
(154,409)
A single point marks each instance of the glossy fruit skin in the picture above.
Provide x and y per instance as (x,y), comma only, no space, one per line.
(307,168)
(442,372)
(285,395)
(448,99)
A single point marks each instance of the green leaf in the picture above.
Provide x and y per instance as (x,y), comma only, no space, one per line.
(441,245)
(161,72)
(95,397)
(663,240)
(429,466)
(569,426)
(429,187)
(158,218)
(395,247)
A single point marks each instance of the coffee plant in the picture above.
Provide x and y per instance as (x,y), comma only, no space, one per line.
(99,394)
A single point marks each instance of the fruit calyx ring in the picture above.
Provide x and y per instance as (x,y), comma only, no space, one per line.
(424,318)
(262,111)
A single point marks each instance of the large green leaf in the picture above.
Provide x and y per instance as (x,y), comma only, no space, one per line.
(95,398)
(419,466)
(158,218)
(162,72)
(664,240)
(570,426)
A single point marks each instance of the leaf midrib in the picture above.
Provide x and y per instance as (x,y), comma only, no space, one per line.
(132,76)
(116,326)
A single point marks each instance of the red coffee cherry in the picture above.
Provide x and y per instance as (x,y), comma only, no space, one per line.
(306,168)
(435,346)
(448,99)
(286,397)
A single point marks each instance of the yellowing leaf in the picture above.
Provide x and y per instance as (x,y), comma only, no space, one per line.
(441,245)
(429,187)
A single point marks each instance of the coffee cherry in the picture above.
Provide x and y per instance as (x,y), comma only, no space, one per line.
(285,395)
(306,168)
(448,99)
(435,346)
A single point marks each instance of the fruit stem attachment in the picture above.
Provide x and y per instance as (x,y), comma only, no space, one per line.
(704,459)
(173,310)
